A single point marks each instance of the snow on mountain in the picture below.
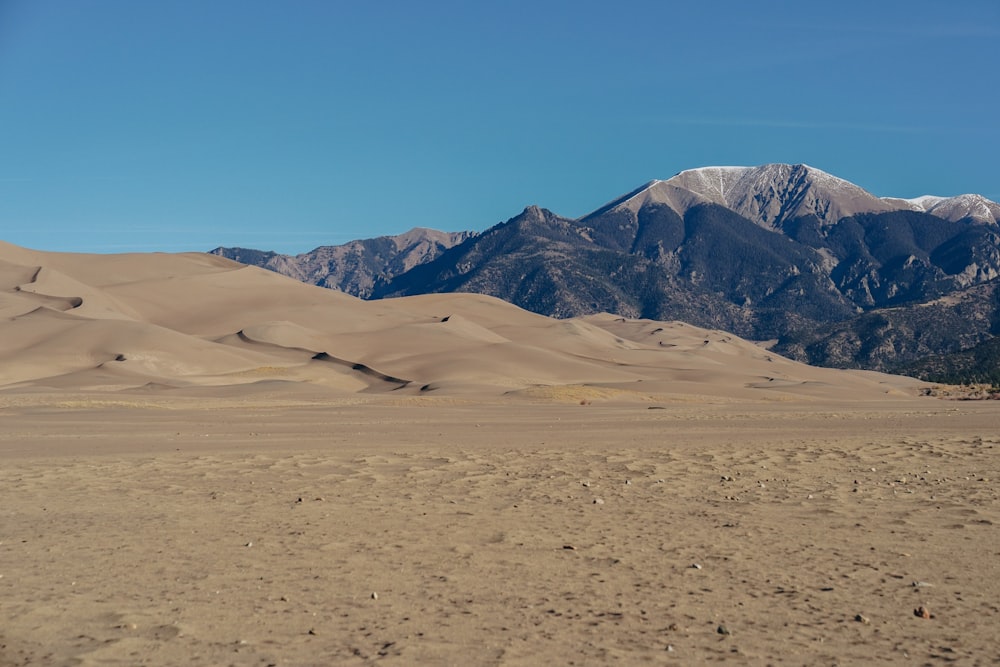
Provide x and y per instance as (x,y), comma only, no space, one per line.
(656,192)
(976,207)
(772,194)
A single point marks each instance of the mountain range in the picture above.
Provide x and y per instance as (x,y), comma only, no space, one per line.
(816,266)
(353,267)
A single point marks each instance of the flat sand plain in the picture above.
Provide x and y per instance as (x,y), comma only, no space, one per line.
(141,529)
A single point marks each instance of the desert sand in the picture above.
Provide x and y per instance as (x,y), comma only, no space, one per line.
(208,464)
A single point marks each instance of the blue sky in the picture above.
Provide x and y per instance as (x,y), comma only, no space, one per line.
(138,125)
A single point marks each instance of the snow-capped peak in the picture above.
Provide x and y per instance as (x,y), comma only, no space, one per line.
(771,194)
(924,202)
(962,207)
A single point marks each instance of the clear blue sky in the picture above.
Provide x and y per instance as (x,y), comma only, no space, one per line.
(141,125)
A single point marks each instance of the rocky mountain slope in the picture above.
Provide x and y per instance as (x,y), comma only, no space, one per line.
(353,267)
(976,365)
(815,265)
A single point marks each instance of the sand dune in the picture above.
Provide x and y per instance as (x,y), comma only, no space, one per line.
(127,321)
(190,319)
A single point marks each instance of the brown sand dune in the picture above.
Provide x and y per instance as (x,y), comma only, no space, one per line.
(180,320)
(207,464)
(86,301)
(233,297)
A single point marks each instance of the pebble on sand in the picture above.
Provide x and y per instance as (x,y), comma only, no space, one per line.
(922,612)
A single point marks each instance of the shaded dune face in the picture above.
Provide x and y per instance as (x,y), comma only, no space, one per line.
(120,322)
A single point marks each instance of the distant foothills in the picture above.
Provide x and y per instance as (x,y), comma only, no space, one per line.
(809,264)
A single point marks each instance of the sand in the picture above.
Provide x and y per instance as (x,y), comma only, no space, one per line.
(274,474)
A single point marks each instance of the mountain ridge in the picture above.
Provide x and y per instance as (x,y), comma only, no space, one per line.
(786,253)
(356,266)
(771,193)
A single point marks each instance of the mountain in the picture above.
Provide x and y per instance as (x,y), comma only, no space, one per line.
(826,271)
(818,267)
(353,267)
(898,339)
(769,195)
(962,207)
(774,194)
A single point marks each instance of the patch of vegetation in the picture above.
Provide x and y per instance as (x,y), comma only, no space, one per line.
(978,365)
